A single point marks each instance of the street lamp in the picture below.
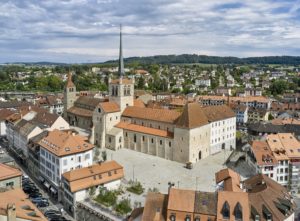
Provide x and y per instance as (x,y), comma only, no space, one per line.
(133,173)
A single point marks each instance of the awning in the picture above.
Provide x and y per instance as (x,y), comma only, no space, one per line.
(41,179)
(53,190)
(47,184)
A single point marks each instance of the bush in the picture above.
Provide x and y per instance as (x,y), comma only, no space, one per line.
(107,198)
(123,207)
(136,187)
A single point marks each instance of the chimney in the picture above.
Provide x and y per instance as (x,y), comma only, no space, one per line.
(11,212)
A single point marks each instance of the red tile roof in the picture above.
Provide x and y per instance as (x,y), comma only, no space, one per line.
(145,130)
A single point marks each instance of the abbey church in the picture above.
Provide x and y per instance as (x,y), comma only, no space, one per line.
(122,122)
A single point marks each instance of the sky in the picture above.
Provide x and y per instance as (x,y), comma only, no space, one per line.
(79,31)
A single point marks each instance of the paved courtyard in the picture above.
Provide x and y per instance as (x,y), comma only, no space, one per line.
(156,172)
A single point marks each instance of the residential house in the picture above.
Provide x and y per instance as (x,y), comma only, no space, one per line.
(16,206)
(60,152)
(10,177)
(77,184)
(256,198)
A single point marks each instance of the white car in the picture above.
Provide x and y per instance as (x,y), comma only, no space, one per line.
(1,151)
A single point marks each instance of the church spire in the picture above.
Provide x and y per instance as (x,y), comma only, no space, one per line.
(121,62)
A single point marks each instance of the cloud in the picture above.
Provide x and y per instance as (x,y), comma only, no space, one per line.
(87,30)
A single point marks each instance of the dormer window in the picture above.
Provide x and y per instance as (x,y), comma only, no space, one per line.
(226,210)
(173,217)
(238,212)
(187,218)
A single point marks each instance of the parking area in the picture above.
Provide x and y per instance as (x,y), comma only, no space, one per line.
(35,191)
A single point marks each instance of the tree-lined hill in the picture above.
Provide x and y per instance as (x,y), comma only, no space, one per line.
(193,58)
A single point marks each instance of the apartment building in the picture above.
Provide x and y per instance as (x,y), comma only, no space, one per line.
(60,152)
(77,183)
(279,158)
(222,128)
(34,122)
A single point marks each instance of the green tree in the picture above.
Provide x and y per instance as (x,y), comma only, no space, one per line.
(277,87)
(123,207)
(92,191)
(141,83)
(54,83)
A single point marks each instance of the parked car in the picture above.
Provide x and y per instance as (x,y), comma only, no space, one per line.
(39,199)
(42,204)
(35,195)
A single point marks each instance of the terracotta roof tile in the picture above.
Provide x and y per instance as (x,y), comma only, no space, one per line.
(145,130)
(265,192)
(63,143)
(162,115)
(86,177)
(231,179)
(263,154)
(233,198)
(4,113)
(138,103)
(87,101)
(25,209)
(192,116)
(109,107)
(8,172)
(155,207)
(80,111)
(218,112)
(181,200)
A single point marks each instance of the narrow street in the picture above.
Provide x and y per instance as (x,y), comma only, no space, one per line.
(53,204)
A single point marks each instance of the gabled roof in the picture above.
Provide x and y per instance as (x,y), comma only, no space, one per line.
(8,172)
(80,111)
(181,200)
(87,177)
(155,207)
(109,107)
(138,103)
(4,113)
(162,115)
(231,179)
(192,116)
(45,119)
(87,101)
(218,112)
(144,130)
(25,127)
